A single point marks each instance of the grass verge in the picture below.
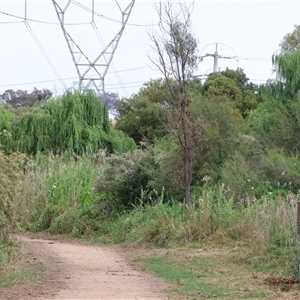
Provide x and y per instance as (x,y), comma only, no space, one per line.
(202,273)
(21,269)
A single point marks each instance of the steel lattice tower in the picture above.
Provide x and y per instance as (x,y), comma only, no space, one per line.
(84,66)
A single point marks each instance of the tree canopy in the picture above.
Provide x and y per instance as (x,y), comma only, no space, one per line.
(291,41)
(22,98)
(75,123)
(234,86)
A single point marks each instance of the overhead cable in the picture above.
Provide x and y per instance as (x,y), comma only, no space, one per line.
(37,21)
(44,53)
(112,64)
(109,18)
(51,80)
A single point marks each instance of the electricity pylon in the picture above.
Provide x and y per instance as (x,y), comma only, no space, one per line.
(84,66)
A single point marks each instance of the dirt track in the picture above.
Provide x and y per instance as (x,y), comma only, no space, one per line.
(82,271)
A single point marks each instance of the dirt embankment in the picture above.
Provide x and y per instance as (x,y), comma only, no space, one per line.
(83,271)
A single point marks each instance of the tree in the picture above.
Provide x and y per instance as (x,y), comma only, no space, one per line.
(143,115)
(234,86)
(176,48)
(286,65)
(75,123)
(240,79)
(291,41)
(22,98)
(286,86)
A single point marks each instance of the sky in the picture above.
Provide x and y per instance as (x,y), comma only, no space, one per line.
(34,54)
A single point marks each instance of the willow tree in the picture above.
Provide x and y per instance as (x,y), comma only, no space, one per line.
(176,49)
(287,68)
(75,123)
(276,121)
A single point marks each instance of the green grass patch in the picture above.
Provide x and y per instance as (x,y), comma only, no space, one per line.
(201,274)
(184,278)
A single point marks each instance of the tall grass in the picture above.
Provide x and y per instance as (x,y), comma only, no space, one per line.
(267,228)
(59,195)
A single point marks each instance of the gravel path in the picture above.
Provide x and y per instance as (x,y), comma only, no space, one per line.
(84,271)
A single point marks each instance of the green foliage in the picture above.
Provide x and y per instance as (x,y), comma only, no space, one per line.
(240,79)
(234,86)
(276,125)
(74,123)
(64,202)
(218,129)
(167,174)
(12,170)
(181,46)
(288,71)
(124,181)
(143,116)
(291,41)
(286,86)
(21,98)
(6,119)
(266,173)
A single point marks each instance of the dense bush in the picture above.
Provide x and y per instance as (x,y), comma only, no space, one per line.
(124,182)
(271,172)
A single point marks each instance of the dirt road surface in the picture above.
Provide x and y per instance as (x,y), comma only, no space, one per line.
(84,271)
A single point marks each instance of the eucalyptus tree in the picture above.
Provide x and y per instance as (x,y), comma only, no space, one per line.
(22,98)
(176,51)
(142,116)
(291,41)
(233,85)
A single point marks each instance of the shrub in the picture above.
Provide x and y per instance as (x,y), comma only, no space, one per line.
(125,181)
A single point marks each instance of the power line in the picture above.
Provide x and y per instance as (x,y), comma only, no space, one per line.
(37,21)
(113,86)
(12,22)
(51,80)
(44,53)
(85,23)
(108,18)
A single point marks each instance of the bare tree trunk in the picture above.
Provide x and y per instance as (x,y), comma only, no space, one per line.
(187,154)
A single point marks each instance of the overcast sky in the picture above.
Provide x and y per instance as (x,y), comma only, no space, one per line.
(251,30)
